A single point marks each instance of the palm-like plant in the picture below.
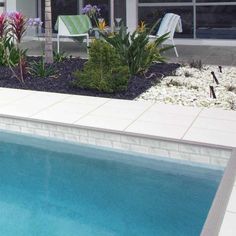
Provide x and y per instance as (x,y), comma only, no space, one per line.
(48,33)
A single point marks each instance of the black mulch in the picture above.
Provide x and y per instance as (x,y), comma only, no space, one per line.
(63,82)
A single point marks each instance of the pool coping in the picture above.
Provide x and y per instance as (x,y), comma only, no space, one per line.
(218,209)
(120,132)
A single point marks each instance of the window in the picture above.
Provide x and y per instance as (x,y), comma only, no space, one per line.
(60,7)
(200,18)
(216,22)
(150,15)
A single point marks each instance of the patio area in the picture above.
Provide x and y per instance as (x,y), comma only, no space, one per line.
(212,55)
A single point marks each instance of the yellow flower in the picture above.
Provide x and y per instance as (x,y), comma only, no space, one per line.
(102,25)
(141,27)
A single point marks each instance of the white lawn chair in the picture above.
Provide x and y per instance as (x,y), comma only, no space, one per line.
(73,26)
(171,23)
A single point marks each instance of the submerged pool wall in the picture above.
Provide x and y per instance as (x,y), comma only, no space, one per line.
(196,153)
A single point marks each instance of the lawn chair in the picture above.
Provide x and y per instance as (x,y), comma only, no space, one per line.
(171,23)
(73,26)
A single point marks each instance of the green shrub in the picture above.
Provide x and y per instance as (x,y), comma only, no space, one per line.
(104,70)
(41,69)
(59,56)
(135,50)
(9,53)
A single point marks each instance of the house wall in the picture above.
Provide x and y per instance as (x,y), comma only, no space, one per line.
(201,20)
(28,7)
(10,5)
(2,6)
(131,14)
(208,19)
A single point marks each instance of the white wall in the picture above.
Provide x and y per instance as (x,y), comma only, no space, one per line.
(2,8)
(11,5)
(27,7)
(132,14)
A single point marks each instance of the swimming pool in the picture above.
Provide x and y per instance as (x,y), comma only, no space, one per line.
(53,188)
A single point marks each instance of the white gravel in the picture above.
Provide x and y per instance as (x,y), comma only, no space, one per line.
(190,87)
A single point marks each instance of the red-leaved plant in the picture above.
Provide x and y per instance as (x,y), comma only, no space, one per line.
(18,26)
(3,25)
(18,23)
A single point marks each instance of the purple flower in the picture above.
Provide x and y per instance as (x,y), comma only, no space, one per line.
(34,22)
(91,10)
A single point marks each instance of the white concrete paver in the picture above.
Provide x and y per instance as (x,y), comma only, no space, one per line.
(157,129)
(122,109)
(176,109)
(215,124)
(232,201)
(210,126)
(168,122)
(77,99)
(211,136)
(228,227)
(167,118)
(215,113)
(8,96)
(31,104)
(104,122)
(64,112)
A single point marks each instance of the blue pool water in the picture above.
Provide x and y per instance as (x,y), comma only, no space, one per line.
(49,188)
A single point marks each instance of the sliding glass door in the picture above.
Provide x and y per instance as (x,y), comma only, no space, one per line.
(104,5)
(119,9)
(73,7)
(214,19)
(61,7)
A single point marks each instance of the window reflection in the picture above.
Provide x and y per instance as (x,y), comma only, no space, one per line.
(150,15)
(60,7)
(216,22)
(212,21)
(104,5)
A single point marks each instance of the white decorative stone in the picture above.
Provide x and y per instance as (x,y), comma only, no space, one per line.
(190,87)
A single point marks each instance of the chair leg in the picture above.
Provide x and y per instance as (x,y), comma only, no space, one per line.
(176,52)
(87,41)
(58,44)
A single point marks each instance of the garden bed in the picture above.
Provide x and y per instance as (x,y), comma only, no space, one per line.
(62,83)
